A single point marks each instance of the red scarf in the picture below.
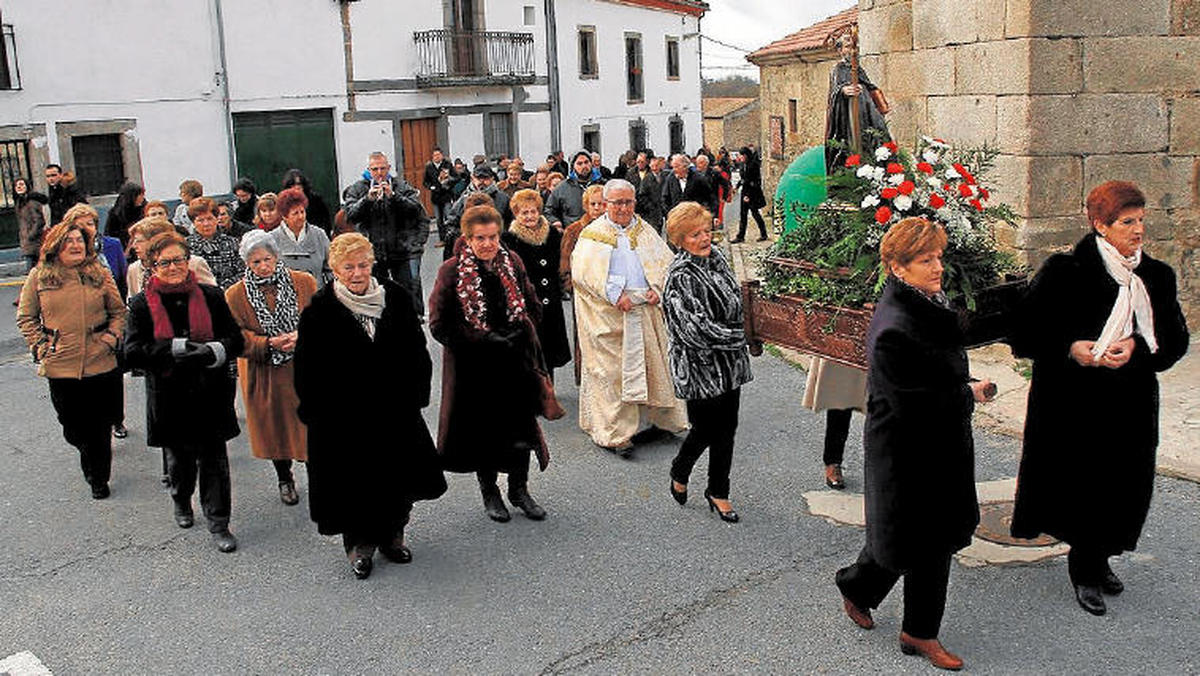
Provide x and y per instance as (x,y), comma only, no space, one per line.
(470,288)
(199,320)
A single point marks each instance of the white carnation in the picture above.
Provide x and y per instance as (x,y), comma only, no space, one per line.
(877,173)
(951,174)
(930,156)
(882,153)
(870,201)
(934,182)
(865,171)
(902,202)
(896,179)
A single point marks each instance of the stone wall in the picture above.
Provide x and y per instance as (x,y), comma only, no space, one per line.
(1072,92)
(806,81)
(742,126)
(714,131)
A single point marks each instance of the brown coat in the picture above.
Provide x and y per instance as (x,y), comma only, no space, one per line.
(80,313)
(269,392)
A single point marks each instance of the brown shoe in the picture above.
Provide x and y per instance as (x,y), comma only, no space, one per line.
(834,478)
(932,650)
(861,617)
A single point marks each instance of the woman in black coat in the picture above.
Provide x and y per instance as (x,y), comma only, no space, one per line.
(182,335)
(539,247)
(750,183)
(483,310)
(1087,475)
(920,457)
(362,375)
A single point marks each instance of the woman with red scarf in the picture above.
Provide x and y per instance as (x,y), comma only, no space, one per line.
(484,310)
(182,335)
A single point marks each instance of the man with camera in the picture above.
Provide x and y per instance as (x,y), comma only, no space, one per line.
(388,211)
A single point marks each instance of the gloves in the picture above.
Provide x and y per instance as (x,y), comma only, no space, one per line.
(196,354)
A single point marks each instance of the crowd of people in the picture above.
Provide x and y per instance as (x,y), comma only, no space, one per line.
(319,316)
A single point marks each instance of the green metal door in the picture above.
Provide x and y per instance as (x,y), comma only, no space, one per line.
(268,143)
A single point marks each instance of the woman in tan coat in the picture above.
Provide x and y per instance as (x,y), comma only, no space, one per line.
(838,390)
(72,317)
(267,303)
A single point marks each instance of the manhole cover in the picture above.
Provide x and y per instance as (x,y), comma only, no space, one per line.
(995,518)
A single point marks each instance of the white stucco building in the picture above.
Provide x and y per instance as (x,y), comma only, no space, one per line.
(156,92)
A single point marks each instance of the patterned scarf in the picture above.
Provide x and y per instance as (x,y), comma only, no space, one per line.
(470,289)
(199,319)
(286,316)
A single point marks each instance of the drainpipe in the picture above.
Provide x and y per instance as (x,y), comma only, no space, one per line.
(348,52)
(223,76)
(552,76)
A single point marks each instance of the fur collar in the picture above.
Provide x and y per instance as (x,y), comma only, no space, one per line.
(529,236)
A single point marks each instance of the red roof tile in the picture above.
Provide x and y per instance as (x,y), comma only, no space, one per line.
(805,39)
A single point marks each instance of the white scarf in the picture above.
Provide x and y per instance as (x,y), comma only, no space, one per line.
(1132,300)
(366,308)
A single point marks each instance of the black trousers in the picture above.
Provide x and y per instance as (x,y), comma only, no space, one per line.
(714,424)
(866,584)
(745,211)
(407,273)
(209,462)
(837,430)
(366,540)
(518,474)
(1086,564)
(84,407)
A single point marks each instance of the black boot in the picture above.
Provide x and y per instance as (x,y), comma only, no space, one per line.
(520,498)
(493,505)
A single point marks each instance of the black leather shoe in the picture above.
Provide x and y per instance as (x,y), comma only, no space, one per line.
(287,493)
(736,240)
(119,431)
(680,496)
(184,517)
(100,491)
(1089,599)
(493,506)
(397,553)
(1111,584)
(225,541)
(650,434)
(361,564)
(730,516)
(521,499)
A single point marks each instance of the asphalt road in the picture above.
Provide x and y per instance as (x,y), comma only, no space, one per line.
(618,578)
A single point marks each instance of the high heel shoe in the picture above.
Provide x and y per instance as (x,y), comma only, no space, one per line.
(680,496)
(730,516)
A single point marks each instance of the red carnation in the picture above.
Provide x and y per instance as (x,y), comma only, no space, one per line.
(854,160)
(889,193)
(965,190)
(883,215)
(936,201)
(939,140)
(962,171)
(983,192)
(891,145)
(925,167)
(895,168)
(977,204)
(906,188)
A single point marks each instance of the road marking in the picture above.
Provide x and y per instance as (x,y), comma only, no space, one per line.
(23,664)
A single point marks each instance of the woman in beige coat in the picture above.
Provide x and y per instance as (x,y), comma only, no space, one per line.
(266,303)
(72,317)
(838,390)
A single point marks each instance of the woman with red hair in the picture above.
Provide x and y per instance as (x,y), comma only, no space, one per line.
(1099,323)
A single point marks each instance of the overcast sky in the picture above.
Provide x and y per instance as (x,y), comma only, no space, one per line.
(751,24)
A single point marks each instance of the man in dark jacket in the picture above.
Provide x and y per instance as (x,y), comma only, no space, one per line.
(565,205)
(483,179)
(389,212)
(685,184)
(648,190)
(717,182)
(62,195)
(439,181)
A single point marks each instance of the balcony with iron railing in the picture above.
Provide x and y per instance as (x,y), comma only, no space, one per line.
(448,58)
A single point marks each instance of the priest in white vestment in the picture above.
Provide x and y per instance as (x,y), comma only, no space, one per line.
(618,269)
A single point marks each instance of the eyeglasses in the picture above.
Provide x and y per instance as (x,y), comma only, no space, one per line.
(621,203)
(164,263)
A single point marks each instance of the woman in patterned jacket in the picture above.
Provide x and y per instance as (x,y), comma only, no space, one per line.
(709,360)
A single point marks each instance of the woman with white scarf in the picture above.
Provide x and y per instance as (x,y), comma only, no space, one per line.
(362,377)
(1099,323)
(266,303)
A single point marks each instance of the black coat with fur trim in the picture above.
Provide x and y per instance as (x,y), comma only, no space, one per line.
(541,264)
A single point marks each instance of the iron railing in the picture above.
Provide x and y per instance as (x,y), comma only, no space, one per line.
(458,58)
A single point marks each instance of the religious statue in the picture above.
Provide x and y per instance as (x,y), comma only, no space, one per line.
(855,109)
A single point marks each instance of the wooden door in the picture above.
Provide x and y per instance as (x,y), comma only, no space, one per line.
(417,139)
